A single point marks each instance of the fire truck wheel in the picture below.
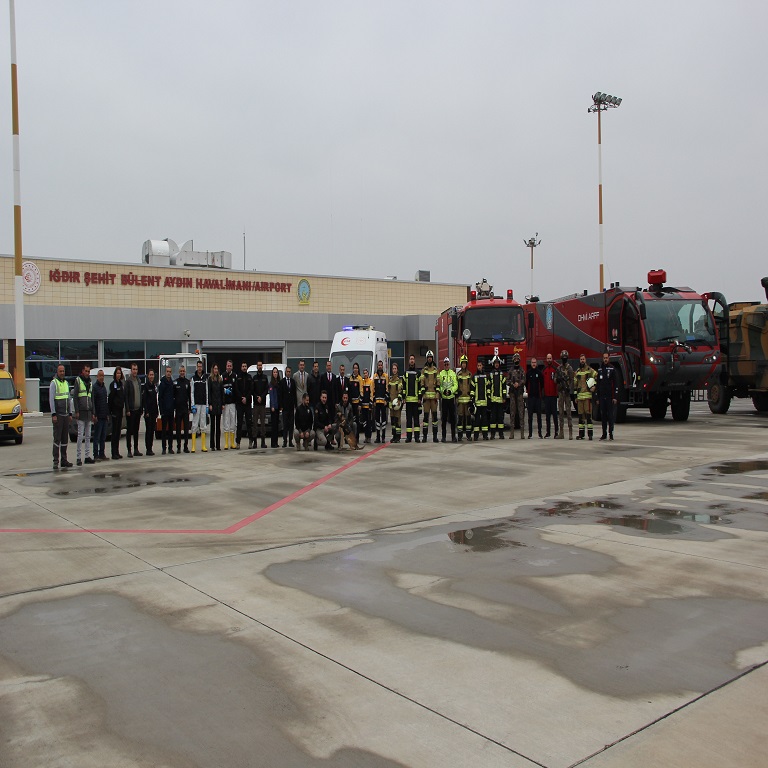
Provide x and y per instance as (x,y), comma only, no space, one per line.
(719,398)
(657,404)
(681,405)
(760,401)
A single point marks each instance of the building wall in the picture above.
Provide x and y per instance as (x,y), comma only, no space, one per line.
(83,286)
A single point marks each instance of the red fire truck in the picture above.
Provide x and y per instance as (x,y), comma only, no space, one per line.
(663,340)
(485,326)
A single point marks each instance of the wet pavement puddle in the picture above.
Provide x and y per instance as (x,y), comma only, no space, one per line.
(506,585)
(174,697)
(105,483)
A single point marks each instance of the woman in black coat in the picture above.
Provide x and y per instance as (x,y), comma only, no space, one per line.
(116,402)
(274,406)
(215,406)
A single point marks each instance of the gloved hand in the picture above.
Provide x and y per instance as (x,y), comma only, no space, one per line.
(194,409)
(207,410)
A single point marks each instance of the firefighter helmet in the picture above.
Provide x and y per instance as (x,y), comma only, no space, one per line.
(564,353)
(516,357)
(429,354)
(463,359)
(495,359)
(396,405)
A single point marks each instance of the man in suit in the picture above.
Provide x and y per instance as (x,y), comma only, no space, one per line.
(328,383)
(287,390)
(342,385)
(300,381)
(314,385)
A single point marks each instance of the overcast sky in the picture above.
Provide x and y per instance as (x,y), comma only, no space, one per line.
(377,138)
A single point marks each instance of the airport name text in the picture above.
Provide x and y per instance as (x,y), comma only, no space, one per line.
(157,281)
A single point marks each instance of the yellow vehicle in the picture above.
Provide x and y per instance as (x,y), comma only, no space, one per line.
(11,417)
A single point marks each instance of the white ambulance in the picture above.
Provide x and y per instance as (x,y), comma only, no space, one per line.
(361,344)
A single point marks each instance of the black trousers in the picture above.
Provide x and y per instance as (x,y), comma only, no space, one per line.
(534,406)
(448,408)
(132,422)
(288,414)
(550,409)
(182,426)
(244,413)
(274,422)
(606,415)
(150,422)
(117,426)
(167,433)
(216,431)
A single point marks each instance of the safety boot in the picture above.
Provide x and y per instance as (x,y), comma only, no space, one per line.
(204,449)
(194,441)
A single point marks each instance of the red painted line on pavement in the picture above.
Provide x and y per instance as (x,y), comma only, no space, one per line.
(220,531)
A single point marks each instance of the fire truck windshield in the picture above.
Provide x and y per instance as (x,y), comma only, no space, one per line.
(688,322)
(496,323)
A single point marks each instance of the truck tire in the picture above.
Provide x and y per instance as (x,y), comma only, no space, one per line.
(719,397)
(657,404)
(681,405)
(760,401)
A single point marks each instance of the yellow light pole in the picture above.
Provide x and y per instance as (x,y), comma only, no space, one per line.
(601,102)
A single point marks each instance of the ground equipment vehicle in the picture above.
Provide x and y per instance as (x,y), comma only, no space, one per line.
(11,416)
(485,326)
(663,340)
(743,369)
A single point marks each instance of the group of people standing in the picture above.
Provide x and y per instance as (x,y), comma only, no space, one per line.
(321,409)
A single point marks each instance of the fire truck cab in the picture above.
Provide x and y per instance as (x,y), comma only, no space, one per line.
(485,326)
(663,340)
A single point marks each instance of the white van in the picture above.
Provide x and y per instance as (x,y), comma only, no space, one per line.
(361,344)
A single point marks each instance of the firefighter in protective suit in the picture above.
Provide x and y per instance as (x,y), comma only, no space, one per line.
(482,390)
(380,402)
(412,393)
(585,378)
(395,393)
(498,385)
(449,386)
(564,382)
(466,393)
(516,381)
(428,384)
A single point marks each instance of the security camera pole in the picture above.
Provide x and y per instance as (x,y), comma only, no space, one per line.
(20,369)
(601,102)
(532,243)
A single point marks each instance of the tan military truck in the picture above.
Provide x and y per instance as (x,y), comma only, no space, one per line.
(743,331)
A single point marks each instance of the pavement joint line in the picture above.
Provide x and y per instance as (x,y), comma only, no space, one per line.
(362,676)
(92,580)
(672,712)
(234,528)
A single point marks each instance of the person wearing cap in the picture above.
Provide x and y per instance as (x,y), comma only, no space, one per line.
(428,384)
(585,377)
(498,386)
(516,381)
(395,392)
(411,390)
(448,385)
(564,381)
(466,393)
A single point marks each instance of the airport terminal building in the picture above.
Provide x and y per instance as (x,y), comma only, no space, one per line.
(114,314)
